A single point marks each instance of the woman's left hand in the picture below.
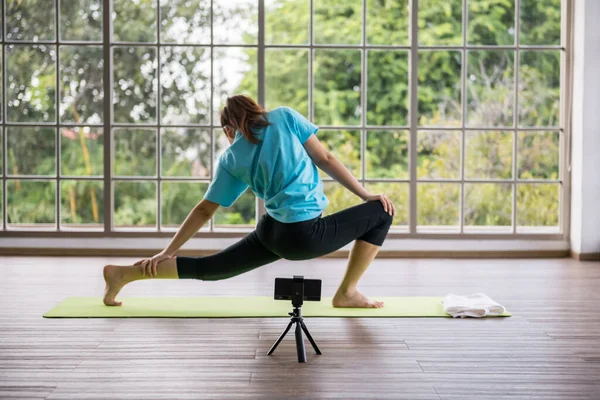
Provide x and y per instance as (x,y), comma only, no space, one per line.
(149,265)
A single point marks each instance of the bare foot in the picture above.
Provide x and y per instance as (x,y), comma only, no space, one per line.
(354,300)
(114,283)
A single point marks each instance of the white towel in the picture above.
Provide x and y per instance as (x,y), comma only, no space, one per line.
(474,305)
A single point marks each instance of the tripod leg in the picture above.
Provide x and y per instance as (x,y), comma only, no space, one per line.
(314,345)
(300,344)
(280,338)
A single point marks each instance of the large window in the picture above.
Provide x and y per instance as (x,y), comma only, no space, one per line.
(110,109)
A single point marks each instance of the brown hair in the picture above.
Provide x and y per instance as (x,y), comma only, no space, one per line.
(243,113)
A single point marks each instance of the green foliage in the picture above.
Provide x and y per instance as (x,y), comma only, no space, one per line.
(27,20)
(135,152)
(440,23)
(337,83)
(387,154)
(437,204)
(135,20)
(480,211)
(82,203)
(491,22)
(337,79)
(338,21)
(387,22)
(387,82)
(135,204)
(30,202)
(540,22)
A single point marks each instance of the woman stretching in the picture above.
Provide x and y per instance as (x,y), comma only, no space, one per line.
(276,154)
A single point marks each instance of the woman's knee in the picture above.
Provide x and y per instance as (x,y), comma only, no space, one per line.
(385,217)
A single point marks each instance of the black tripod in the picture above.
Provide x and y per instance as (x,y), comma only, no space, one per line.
(297,301)
(300,326)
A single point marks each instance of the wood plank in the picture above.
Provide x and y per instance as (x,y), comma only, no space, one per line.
(548,349)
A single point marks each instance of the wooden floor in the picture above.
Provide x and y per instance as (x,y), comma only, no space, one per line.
(549,349)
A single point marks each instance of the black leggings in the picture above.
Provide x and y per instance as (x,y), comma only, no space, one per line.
(304,240)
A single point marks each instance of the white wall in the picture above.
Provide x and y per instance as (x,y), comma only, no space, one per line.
(585,178)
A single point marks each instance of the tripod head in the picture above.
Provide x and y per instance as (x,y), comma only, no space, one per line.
(297,290)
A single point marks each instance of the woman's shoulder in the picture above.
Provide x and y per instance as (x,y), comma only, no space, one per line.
(281,111)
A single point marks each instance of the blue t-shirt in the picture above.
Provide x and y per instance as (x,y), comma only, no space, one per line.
(277,169)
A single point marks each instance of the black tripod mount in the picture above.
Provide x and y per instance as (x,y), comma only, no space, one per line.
(297,301)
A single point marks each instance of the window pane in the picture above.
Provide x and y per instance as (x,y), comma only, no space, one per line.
(242,214)
(339,198)
(387,87)
(221,144)
(185,80)
(286,21)
(1,80)
(387,154)
(30,204)
(286,79)
(537,207)
(134,86)
(135,152)
(143,12)
(1,158)
(235,72)
(438,154)
(488,205)
(539,88)
(185,152)
(490,88)
(81,20)
(82,151)
(439,90)
(345,145)
(491,22)
(387,22)
(31,83)
(337,87)
(488,155)
(398,193)
(135,204)
(440,23)
(81,84)
(438,206)
(82,204)
(235,22)
(178,199)
(538,155)
(28,20)
(184,21)
(31,151)
(540,22)
(338,22)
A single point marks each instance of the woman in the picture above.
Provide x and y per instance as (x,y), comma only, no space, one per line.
(276,154)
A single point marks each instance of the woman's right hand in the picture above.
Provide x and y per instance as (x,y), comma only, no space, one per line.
(388,206)
(149,265)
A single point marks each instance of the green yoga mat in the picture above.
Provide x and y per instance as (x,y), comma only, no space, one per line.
(240,307)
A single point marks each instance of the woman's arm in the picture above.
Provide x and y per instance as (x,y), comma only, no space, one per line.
(334,168)
(194,221)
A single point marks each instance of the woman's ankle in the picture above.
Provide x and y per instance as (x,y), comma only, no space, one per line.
(346,291)
(130,273)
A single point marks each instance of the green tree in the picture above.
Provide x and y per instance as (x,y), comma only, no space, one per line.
(185,89)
